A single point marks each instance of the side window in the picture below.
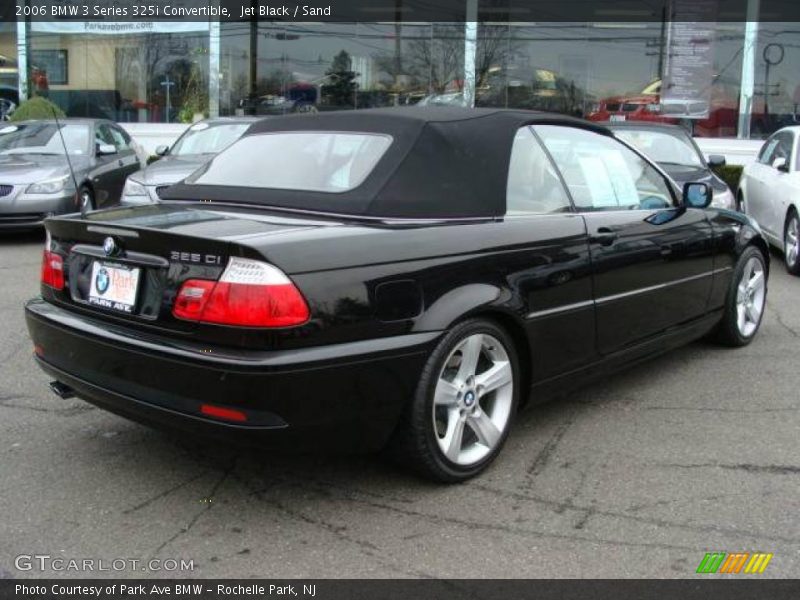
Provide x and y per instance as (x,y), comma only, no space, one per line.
(602,173)
(102,135)
(784,147)
(768,150)
(121,139)
(533,184)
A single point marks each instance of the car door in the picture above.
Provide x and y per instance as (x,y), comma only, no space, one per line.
(111,170)
(652,260)
(552,276)
(125,148)
(778,191)
(758,177)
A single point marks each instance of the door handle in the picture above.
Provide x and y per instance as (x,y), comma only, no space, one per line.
(121,164)
(604,236)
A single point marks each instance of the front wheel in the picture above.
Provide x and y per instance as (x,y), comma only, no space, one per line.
(791,244)
(464,404)
(746,299)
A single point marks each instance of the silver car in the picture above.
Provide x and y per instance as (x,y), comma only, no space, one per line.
(38,178)
(196,146)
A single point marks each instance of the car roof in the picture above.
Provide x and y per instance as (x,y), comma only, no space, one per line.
(443,162)
(613,125)
(231,119)
(86,120)
(431,114)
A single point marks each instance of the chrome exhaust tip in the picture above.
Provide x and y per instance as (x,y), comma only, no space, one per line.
(62,391)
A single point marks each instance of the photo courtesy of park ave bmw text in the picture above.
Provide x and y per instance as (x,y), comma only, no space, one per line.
(399,299)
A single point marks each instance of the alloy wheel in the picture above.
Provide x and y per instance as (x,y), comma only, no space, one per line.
(750,296)
(473,399)
(791,242)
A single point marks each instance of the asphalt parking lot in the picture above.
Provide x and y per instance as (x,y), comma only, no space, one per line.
(637,476)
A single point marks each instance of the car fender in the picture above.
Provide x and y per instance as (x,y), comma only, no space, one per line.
(750,234)
(458,304)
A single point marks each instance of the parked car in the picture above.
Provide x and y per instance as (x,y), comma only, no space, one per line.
(38,178)
(401,276)
(677,153)
(769,192)
(646,106)
(192,149)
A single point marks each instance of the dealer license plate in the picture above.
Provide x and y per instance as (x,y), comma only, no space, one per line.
(114,286)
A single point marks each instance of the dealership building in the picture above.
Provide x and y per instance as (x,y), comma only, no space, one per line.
(722,79)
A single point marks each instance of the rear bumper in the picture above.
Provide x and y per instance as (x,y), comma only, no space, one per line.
(347,396)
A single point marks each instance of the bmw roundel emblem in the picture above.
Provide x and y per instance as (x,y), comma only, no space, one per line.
(101,281)
(110,246)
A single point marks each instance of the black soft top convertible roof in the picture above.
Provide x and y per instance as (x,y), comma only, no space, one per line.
(443,163)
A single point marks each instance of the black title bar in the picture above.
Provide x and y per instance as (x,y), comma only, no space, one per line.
(389,10)
(744,588)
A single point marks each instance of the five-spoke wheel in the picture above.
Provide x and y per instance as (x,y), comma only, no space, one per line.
(473,398)
(464,404)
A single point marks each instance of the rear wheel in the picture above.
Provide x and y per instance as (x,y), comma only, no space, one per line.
(791,243)
(464,404)
(747,296)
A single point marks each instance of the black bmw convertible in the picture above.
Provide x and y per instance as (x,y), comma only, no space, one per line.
(397,277)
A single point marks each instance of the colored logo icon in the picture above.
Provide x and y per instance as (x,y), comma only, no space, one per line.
(734,563)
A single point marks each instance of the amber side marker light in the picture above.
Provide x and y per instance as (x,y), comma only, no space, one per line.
(219,412)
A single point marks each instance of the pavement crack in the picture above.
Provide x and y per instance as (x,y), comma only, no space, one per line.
(504,529)
(208,506)
(163,494)
(781,322)
(543,457)
(747,467)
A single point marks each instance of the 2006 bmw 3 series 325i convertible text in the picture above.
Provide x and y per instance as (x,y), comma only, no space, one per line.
(397,277)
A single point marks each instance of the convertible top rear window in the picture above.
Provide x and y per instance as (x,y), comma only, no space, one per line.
(296,160)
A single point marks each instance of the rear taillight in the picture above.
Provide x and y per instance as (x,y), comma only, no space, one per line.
(250,293)
(52,269)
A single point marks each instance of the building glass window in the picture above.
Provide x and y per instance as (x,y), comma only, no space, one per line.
(308,67)
(9,72)
(120,74)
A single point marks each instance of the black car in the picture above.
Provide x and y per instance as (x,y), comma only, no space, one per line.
(404,276)
(49,168)
(676,152)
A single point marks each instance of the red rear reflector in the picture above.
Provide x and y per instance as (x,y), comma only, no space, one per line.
(249,294)
(52,270)
(38,350)
(219,412)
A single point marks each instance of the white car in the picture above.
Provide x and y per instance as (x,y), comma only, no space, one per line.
(770,193)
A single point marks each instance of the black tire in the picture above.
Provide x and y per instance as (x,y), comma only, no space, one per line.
(728,331)
(414,443)
(86,196)
(792,221)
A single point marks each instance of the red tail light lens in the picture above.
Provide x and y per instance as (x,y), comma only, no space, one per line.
(250,293)
(52,270)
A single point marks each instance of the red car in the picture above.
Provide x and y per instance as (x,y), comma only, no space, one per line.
(646,106)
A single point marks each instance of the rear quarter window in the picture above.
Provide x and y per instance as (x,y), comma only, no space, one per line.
(305,161)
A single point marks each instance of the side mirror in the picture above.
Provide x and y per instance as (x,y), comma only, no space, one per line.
(697,195)
(106,149)
(780,164)
(162,150)
(716,160)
